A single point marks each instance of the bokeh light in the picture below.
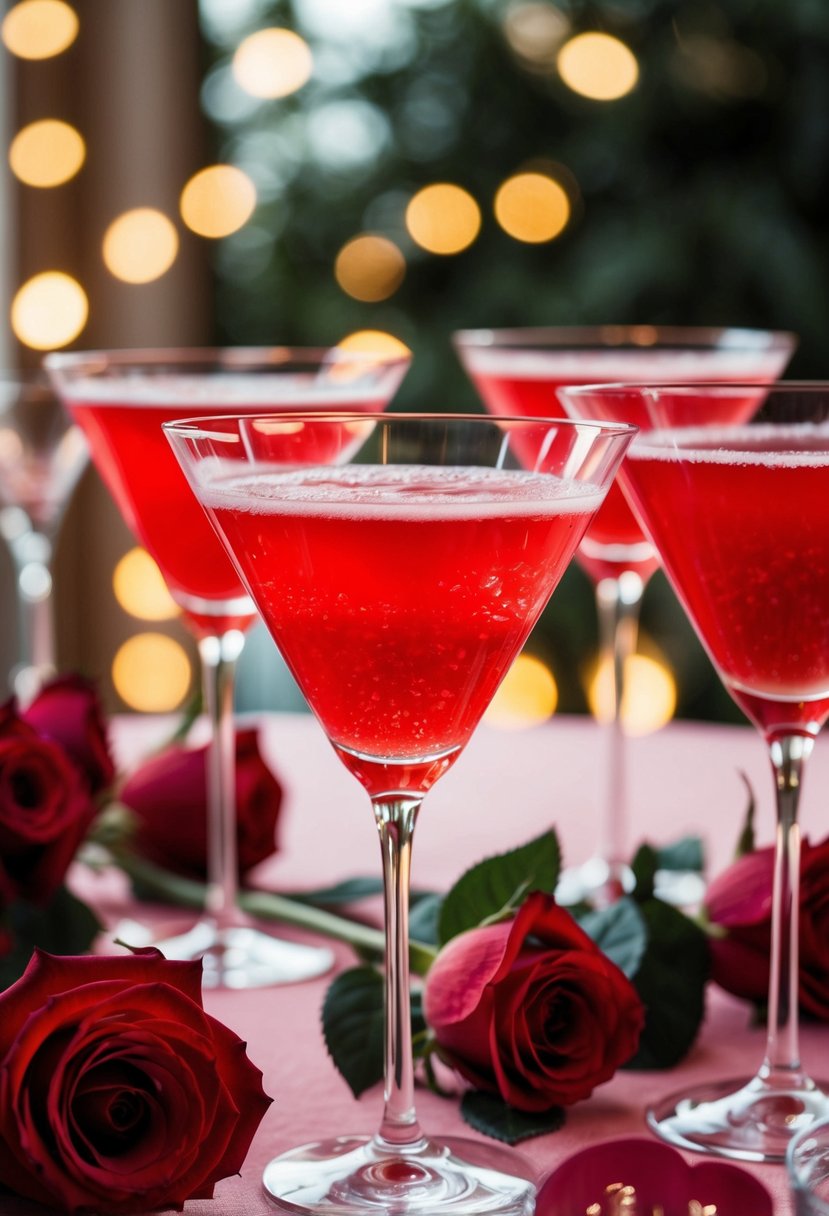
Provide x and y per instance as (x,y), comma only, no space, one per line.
(535,31)
(39,29)
(443,218)
(532,207)
(151,673)
(272,63)
(370,268)
(49,310)
(46,153)
(649,698)
(373,341)
(598,66)
(140,245)
(527,696)
(217,200)
(140,588)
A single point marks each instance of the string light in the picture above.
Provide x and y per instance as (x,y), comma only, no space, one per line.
(151,673)
(39,29)
(443,218)
(140,588)
(370,268)
(140,245)
(532,207)
(373,341)
(49,311)
(527,696)
(272,63)
(598,66)
(46,153)
(217,200)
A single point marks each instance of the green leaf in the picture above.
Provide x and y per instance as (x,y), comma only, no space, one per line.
(494,886)
(671,983)
(424,918)
(66,926)
(620,933)
(686,854)
(347,892)
(490,1114)
(644,866)
(352,1023)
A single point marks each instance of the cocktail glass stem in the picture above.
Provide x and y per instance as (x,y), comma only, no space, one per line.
(781,1068)
(395,818)
(219,655)
(31,553)
(618,601)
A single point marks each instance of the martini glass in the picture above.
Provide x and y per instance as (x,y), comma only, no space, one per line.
(120,399)
(399,590)
(738,515)
(42,455)
(519,371)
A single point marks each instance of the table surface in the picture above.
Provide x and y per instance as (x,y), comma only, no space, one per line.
(506,788)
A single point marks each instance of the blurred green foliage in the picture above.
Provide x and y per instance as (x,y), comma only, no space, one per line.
(699,198)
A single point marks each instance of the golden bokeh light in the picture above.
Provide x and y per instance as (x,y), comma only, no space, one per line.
(151,673)
(39,29)
(528,696)
(46,153)
(272,63)
(370,268)
(217,201)
(49,311)
(373,342)
(140,245)
(598,66)
(649,699)
(532,207)
(443,218)
(140,588)
(535,31)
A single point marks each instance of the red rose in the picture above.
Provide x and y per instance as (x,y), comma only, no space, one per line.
(117,1091)
(738,901)
(531,1008)
(68,711)
(169,796)
(45,811)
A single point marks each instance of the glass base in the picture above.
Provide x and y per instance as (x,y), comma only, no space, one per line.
(356,1175)
(739,1119)
(238,956)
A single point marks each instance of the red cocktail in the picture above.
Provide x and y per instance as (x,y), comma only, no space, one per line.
(738,516)
(120,399)
(399,589)
(521,372)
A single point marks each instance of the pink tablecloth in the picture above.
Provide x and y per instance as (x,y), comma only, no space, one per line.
(506,788)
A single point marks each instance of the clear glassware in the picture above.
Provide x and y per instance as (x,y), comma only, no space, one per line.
(519,371)
(120,399)
(807,1161)
(736,511)
(42,456)
(399,588)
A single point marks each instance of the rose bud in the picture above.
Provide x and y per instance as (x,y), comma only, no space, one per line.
(118,1093)
(738,903)
(45,811)
(68,711)
(168,794)
(531,1008)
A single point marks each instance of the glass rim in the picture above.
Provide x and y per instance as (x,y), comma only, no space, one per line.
(641,337)
(617,388)
(223,358)
(204,426)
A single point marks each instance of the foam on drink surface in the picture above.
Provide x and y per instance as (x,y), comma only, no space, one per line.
(386,491)
(630,365)
(224,389)
(796,446)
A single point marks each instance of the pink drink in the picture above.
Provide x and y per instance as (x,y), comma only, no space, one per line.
(399,595)
(122,419)
(740,524)
(524,383)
